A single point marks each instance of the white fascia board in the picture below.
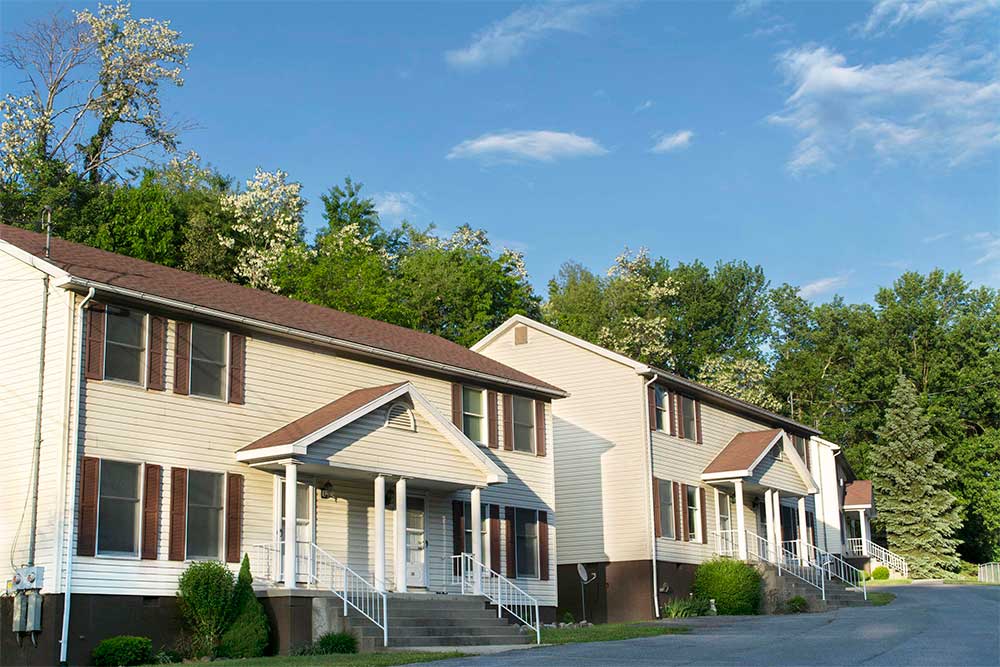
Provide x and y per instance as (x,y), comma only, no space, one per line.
(800,466)
(857,507)
(765,451)
(34,261)
(730,474)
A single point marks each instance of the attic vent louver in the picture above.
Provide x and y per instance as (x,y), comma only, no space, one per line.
(400,416)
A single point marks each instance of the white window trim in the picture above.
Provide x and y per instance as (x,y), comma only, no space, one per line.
(513,425)
(670,494)
(538,546)
(144,366)
(663,407)
(723,500)
(222,515)
(140,519)
(485,417)
(484,530)
(225,369)
(682,422)
(696,537)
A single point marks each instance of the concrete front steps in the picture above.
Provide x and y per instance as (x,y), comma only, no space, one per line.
(779,589)
(417,619)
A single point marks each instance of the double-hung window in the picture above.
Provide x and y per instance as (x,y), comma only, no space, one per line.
(204,514)
(208,361)
(526,542)
(689,420)
(125,345)
(661,397)
(524,424)
(666,508)
(118,509)
(473,414)
(725,514)
(694,513)
(800,445)
(484,531)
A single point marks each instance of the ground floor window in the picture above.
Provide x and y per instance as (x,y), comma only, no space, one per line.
(725,512)
(204,514)
(484,532)
(526,542)
(666,508)
(694,514)
(118,512)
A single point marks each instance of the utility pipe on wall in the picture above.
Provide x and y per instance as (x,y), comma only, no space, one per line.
(649,493)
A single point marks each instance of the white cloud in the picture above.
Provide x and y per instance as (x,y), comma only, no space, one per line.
(395,205)
(889,14)
(935,106)
(988,245)
(507,38)
(537,145)
(748,7)
(673,142)
(645,106)
(823,285)
(934,238)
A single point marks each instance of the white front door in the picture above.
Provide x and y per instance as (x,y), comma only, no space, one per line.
(304,524)
(416,543)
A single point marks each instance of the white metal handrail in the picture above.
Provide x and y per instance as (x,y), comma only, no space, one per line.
(760,549)
(498,589)
(989,573)
(858,546)
(727,543)
(325,571)
(835,566)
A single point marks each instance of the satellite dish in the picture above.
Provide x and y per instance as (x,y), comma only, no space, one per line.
(582,571)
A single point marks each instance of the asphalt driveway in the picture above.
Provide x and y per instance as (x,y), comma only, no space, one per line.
(925,625)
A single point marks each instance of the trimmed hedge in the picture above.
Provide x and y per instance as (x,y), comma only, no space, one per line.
(123,651)
(880,573)
(734,585)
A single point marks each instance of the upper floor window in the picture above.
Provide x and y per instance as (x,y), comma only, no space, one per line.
(204,514)
(125,345)
(694,513)
(661,408)
(688,418)
(800,444)
(208,361)
(118,512)
(524,424)
(473,414)
(666,508)
(526,542)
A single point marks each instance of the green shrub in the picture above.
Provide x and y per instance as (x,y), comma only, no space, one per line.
(681,608)
(880,573)
(568,617)
(796,605)
(247,635)
(122,651)
(336,642)
(205,595)
(167,656)
(734,585)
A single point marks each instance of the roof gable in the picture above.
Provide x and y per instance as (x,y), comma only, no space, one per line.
(744,453)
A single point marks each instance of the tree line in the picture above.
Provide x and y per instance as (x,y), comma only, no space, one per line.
(88,139)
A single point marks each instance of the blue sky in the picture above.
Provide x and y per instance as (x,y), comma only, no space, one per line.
(835,144)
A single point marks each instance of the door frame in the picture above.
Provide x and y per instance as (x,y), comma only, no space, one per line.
(424,498)
(279,527)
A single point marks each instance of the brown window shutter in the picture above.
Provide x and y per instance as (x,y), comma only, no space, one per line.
(704,515)
(456,405)
(540,428)
(677,512)
(543,545)
(651,404)
(157,353)
(151,512)
(234,517)
(680,415)
(495,538)
(657,529)
(684,512)
(94,364)
(492,425)
(457,527)
(86,539)
(178,513)
(237,367)
(508,422)
(672,400)
(697,420)
(511,556)
(182,358)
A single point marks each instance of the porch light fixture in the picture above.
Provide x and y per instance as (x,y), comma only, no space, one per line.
(326,491)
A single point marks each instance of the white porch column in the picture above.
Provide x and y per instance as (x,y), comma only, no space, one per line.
(380,533)
(862,519)
(778,535)
(803,531)
(741,537)
(718,522)
(769,520)
(399,553)
(477,540)
(291,485)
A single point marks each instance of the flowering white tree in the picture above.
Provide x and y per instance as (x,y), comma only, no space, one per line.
(267,228)
(741,377)
(93,86)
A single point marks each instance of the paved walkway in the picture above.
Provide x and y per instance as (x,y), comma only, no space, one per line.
(925,625)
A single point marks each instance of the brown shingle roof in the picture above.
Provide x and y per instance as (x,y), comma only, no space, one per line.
(858,492)
(107,268)
(742,451)
(317,419)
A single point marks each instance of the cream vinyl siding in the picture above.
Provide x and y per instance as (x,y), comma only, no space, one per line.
(828,507)
(284,381)
(21,289)
(780,475)
(602,486)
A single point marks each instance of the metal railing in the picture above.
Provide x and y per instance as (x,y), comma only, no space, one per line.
(326,572)
(758,548)
(858,546)
(989,573)
(498,589)
(792,546)
(727,543)
(835,566)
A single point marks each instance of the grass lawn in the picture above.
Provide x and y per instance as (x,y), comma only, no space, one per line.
(607,633)
(339,660)
(888,582)
(880,598)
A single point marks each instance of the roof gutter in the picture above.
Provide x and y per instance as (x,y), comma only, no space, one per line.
(729,401)
(306,335)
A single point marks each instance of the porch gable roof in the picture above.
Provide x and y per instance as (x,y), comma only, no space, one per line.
(294,438)
(747,449)
(858,494)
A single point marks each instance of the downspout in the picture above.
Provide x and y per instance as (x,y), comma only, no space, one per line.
(649,493)
(74,458)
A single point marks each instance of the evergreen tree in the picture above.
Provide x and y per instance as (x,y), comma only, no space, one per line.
(247,635)
(919,515)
